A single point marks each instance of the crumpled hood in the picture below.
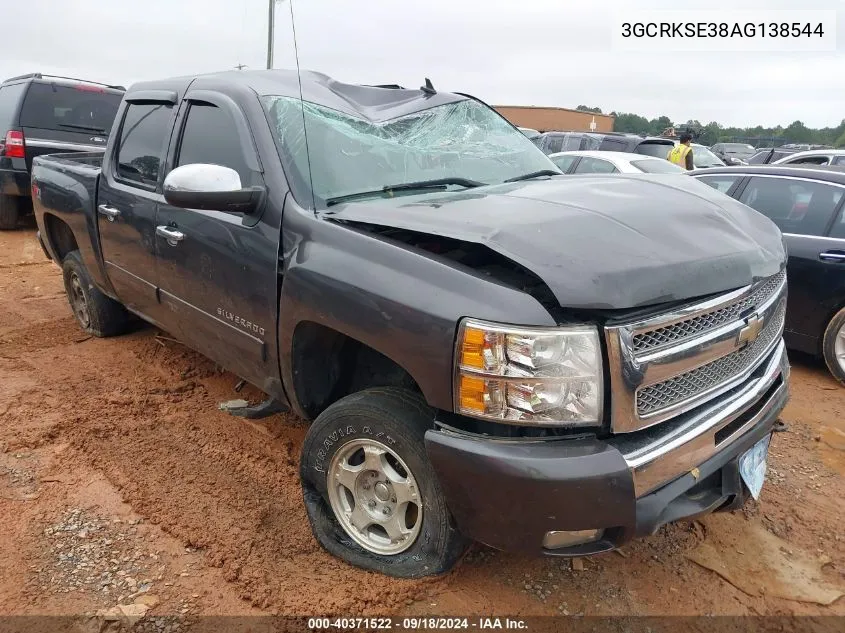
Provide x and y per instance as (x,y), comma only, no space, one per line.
(597,241)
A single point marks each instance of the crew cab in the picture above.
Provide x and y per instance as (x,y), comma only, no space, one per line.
(488,349)
(45,114)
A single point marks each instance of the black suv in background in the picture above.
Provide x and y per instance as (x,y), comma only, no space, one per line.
(42,114)
(553,142)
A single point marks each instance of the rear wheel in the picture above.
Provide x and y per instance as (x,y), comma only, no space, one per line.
(9,211)
(96,313)
(833,346)
(371,494)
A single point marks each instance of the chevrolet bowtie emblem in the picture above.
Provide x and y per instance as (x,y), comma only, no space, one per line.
(749,333)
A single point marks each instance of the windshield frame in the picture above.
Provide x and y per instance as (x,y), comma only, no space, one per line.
(302,182)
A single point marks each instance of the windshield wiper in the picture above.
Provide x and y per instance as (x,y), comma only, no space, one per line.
(435,183)
(90,128)
(534,174)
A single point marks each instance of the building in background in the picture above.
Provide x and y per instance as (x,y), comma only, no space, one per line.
(560,119)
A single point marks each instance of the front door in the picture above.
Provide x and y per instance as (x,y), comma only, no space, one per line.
(217,271)
(127,201)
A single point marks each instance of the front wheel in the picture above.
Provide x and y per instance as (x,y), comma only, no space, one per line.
(833,346)
(371,494)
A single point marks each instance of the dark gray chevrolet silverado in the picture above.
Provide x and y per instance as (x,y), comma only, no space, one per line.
(488,350)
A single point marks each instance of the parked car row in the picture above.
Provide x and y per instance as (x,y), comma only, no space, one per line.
(806,204)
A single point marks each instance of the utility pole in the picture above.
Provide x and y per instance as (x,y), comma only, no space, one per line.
(271,28)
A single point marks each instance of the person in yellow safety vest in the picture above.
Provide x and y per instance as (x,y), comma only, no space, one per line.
(681,154)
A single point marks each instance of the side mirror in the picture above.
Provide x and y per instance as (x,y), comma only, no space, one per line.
(211,188)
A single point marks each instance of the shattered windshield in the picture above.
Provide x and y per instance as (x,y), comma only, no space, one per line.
(349,155)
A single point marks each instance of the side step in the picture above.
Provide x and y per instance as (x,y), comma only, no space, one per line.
(242,409)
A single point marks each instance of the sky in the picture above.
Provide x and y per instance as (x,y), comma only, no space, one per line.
(506,52)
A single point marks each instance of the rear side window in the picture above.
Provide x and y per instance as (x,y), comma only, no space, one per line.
(554,144)
(809,160)
(590,165)
(613,145)
(839,160)
(143,137)
(70,108)
(722,183)
(759,158)
(658,150)
(10,97)
(801,207)
(210,137)
(563,162)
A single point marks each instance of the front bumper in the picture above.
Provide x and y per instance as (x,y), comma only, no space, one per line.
(510,494)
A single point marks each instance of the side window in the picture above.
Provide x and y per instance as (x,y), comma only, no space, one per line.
(210,136)
(590,165)
(554,144)
(801,207)
(143,138)
(839,160)
(563,162)
(10,97)
(759,158)
(571,142)
(613,145)
(809,160)
(722,183)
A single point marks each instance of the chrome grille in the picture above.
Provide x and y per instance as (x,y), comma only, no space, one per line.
(700,380)
(661,337)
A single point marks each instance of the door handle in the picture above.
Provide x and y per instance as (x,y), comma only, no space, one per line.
(172,236)
(110,212)
(832,256)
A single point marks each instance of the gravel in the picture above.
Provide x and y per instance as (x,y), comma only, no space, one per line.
(90,554)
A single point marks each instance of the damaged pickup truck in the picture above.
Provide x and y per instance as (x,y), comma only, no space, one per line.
(489,351)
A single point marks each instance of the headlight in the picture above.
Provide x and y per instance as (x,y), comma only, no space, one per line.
(533,376)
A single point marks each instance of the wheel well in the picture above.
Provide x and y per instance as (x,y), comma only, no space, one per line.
(60,236)
(328,365)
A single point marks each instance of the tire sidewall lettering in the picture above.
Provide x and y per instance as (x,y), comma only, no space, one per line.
(333,437)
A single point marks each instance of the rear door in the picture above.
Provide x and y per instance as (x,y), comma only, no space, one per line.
(804,210)
(57,117)
(218,278)
(130,191)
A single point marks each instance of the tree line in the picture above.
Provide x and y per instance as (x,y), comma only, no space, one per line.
(713,132)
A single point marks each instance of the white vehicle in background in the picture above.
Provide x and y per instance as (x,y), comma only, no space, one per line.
(814,157)
(600,162)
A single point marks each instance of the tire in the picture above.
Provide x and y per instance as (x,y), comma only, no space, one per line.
(9,212)
(396,419)
(96,313)
(833,346)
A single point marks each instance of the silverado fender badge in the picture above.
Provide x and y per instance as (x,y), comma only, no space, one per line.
(749,333)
